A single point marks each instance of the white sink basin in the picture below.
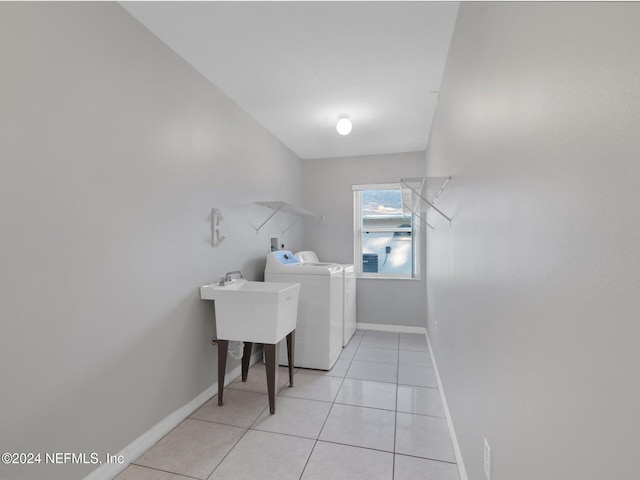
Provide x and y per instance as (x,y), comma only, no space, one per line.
(260,312)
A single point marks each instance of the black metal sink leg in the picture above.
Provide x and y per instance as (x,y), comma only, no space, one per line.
(271,364)
(246,357)
(291,341)
(223,346)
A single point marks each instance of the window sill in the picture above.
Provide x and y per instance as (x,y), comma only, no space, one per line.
(366,277)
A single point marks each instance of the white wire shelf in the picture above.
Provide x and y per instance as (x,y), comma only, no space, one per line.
(280,206)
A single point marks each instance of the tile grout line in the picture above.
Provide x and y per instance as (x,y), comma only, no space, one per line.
(329,413)
(427,458)
(398,384)
(245,432)
(360,447)
(357,342)
(165,471)
(234,446)
(395,417)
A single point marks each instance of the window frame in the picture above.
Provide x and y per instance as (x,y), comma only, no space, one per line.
(358,238)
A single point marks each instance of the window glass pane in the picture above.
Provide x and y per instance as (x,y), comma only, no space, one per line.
(381,202)
(389,251)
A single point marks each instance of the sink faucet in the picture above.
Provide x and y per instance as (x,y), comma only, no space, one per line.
(229,276)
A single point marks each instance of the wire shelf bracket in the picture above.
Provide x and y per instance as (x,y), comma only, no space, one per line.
(420,193)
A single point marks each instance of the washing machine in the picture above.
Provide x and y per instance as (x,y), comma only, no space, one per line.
(318,338)
(348,296)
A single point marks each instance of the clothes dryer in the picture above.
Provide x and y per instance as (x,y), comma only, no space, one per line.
(309,257)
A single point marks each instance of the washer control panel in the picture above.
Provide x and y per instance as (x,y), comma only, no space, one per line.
(286,257)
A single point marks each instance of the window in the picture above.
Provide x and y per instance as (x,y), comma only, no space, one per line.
(385,240)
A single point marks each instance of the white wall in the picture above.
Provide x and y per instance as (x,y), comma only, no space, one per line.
(327,190)
(112,153)
(534,288)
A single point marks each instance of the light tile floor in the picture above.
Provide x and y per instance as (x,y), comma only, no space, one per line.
(376,415)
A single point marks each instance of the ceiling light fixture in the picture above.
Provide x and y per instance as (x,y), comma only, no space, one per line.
(344,125)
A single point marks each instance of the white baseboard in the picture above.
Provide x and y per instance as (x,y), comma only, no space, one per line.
(454,439)
(390,328)
(107,471)
(145,441)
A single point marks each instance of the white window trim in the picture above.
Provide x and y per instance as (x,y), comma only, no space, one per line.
(376,186)
(357,236)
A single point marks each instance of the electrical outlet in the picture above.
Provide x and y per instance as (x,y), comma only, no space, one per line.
(487,459)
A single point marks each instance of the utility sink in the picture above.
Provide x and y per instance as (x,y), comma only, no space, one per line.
(259,312)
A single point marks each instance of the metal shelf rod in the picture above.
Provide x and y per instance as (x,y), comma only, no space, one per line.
(270,216)
(426,201)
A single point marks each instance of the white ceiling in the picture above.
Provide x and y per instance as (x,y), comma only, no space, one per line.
(296,66)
